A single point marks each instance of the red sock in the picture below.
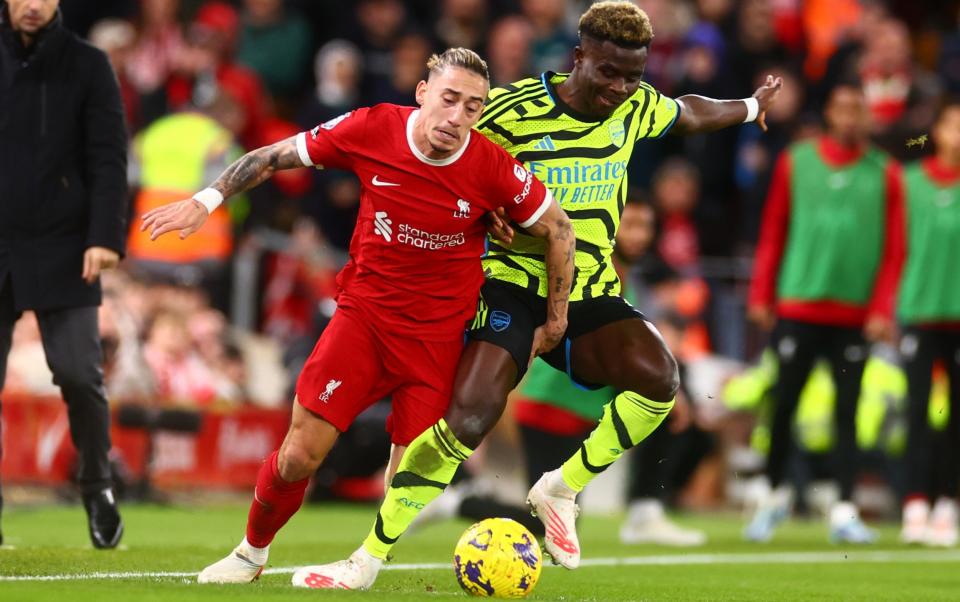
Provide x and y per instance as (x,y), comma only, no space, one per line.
(274,502)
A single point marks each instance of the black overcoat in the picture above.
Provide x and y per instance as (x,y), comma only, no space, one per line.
(63,153)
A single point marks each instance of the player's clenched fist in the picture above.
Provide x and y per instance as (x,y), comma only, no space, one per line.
(186,216)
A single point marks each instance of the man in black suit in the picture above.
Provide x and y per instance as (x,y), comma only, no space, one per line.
(62,220)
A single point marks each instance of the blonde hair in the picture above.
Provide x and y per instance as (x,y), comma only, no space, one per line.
(463,58)
(622,23)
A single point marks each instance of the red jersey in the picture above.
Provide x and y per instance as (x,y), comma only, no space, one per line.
(415,253)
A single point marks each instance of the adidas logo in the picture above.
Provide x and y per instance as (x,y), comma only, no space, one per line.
(381,225)
(546,143)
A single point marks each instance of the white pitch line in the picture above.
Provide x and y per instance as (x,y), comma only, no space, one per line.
(873,556)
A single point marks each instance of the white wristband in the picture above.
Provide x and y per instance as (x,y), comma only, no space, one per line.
(753,109)
(210,198)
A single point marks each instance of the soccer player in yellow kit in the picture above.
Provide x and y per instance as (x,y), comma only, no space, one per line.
(575,132)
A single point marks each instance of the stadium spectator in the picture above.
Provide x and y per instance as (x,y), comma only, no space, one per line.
(335,195)
(276,43)
(929,309)
(169,158)
(155,54)
(825,274)
(62,221)
(381,23)
(116,38)
(509,54)
(409,54)
(676,191)
(552,38)
(462,23)
(207,65)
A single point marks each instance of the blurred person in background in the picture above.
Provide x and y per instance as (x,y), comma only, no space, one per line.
(509,54)
(380,25)
(900,96)
(929,310)
(62,221)
(155,54)
(825,275)
(117,38)
(676,191)
(172,157)
(552,37)
(334,198)
(462,23)
(408,55)
(207,64)
(275,42)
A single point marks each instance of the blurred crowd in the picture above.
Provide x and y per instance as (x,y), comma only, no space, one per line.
(209,320)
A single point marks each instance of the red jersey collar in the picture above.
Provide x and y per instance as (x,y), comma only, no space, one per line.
(838,155)
(941,173)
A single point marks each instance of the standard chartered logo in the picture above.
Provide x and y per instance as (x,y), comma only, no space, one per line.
(581,182)
(381,225)
(415,237)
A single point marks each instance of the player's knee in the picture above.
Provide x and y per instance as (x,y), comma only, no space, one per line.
(298,460)
(652,373)
(473,414)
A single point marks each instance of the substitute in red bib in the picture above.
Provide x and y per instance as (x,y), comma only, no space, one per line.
(412,281)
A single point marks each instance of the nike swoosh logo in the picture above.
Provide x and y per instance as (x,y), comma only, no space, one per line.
(378,182)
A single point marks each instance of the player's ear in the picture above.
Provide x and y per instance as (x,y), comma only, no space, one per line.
(421,93)
(577,56)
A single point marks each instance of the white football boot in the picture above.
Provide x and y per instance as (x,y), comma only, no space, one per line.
(942,529)
(647,523)
(916,513)
(554,503)
(243,565)
(357,572)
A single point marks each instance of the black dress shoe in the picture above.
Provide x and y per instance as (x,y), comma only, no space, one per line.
(106,526)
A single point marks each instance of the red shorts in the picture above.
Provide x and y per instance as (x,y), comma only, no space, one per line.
(356,364)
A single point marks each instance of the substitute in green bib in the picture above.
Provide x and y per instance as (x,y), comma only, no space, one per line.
(928,306)
(825,273)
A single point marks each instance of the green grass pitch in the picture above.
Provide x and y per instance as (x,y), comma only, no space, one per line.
(51,542)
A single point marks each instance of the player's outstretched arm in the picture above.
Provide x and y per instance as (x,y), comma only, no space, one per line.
(700,114)
(243,174)
(555,227)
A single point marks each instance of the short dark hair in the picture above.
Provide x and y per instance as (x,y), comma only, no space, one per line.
(619,22)
(458,57)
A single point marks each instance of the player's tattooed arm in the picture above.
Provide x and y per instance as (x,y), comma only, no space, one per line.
(554,226)
(188,215)
(257,166)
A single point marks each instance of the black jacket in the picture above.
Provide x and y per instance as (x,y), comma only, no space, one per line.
(63,161)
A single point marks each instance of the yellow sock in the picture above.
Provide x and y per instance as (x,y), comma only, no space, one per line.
(426,469)
(626,421)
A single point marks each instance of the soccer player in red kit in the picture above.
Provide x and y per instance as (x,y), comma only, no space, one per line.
(411,284)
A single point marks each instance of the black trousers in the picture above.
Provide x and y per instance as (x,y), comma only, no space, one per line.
(71,342)
(798,345)
(933,457)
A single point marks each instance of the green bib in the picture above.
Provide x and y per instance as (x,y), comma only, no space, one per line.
(929,287)
(835,238)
